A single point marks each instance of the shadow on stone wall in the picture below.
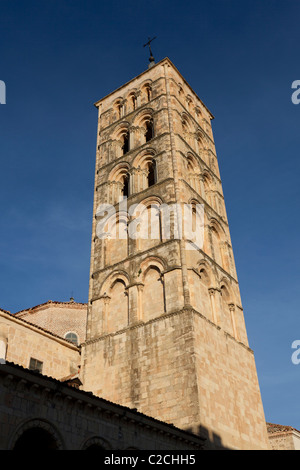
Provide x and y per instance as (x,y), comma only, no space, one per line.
(212,440)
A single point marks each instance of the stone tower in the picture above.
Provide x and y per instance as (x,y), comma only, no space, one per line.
(165,329)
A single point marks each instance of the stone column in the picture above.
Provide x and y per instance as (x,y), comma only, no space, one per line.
(135,302)
(213,305)
(233,320)
(3,347)
(132,139)
(138,98)
(173,291)
(202,189)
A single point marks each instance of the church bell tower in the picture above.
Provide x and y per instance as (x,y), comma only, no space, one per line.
(166,332)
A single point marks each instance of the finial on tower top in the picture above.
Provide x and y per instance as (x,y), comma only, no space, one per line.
(151,58)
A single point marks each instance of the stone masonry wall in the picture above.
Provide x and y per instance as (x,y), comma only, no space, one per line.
(23,341)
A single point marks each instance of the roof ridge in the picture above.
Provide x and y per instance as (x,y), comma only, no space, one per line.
(55,302)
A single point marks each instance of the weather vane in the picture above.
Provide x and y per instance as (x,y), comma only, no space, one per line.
(151,58)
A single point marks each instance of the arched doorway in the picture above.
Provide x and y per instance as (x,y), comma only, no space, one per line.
(36,438)
(36,434)
(95,447)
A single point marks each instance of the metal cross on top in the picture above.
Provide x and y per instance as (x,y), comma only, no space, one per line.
(151,59)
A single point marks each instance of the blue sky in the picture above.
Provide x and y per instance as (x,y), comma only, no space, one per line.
(59,57)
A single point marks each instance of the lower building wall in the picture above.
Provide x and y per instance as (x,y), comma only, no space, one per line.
(23,341)
(38,413)
(285,440)
(148,367)
(230,402)
(167,369)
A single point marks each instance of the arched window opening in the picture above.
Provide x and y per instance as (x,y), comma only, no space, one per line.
(36,438)
(192,173)
(118,307)
(125,188)
(125,146)
(189,103)
(119,109)
(190,166)
(72,337)
(199,142)
(149,131)
(148,93)
(95,447)
(228,317)
(153,294)
(133,101)
(198,111)
(151,177)
(194,218)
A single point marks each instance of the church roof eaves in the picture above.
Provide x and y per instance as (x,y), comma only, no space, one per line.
(115,406)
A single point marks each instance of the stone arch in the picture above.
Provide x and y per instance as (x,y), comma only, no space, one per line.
(220,245)
(193,224)
(117,171)
(72,336)
(146,223)
(193,171)
(187,129)
(153,300)
(156,261)
(111,278)
(144,123)
(211,194)
(145,169)
(198,111)
(96,443)
(116,241)
(119,183)
(146,91)
(206,272)
(139,161)
(199,141)
(201,280)
(36,433)
(118,108)
(186,123)
(228,307)
(121,136)
(217,239)
(208,186)
(180,91)
(189,102)
(115,305)
(131,100)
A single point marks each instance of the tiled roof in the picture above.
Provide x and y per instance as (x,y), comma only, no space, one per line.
(26,322)
(272,428)
(53,302)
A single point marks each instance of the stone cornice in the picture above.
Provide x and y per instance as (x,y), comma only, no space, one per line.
(185,310)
